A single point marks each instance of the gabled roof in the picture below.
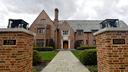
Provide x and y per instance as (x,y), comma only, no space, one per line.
(87,25)
(41,16)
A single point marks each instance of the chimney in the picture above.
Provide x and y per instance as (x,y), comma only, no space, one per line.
(56,14)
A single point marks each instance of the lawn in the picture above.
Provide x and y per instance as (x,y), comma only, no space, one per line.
(47,55)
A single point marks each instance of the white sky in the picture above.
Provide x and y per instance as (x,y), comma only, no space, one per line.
(28,10)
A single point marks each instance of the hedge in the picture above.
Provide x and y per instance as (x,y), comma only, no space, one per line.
(88,57)
(36,57)
(83,48)
(92,68)
(44,49)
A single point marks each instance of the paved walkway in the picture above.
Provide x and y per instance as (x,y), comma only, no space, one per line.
(65,61)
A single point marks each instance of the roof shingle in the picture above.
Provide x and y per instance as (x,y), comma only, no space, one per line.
(87,25)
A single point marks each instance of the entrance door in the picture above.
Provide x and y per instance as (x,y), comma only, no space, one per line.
(65,44)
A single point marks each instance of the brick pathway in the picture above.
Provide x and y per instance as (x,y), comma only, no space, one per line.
(65,61)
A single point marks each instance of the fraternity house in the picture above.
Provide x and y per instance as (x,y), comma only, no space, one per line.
(67,34)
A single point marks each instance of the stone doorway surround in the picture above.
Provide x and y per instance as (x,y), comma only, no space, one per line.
(65,44)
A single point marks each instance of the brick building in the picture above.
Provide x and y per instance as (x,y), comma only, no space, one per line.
(67,34)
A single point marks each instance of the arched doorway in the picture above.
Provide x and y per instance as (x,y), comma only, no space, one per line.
(65,44)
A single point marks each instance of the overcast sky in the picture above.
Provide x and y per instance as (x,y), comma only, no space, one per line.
(68,9)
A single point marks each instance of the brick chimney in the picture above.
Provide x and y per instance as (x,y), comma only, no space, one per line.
(56,14)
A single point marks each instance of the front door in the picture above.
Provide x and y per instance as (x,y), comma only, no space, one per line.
(65,44)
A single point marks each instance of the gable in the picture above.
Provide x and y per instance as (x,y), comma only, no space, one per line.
(42,19)
(64,26)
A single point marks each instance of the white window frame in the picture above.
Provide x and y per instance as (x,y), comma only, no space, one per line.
(65,32)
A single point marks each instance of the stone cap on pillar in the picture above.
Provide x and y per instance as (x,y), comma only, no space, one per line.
(16,30)
(110,30)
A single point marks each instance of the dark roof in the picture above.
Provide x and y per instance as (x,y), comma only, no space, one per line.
(16,22)
(87,25)
(19,21)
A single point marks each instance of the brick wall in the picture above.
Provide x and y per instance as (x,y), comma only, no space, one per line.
(112,57)
(16,58)
(87,37)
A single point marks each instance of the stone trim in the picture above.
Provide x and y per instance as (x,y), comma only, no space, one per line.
(16,30)
(110,29)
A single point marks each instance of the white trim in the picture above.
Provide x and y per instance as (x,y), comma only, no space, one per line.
(16,30)
(110,29)
(62,44)
(68,44)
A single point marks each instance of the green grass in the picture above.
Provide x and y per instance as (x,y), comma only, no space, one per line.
(77,53)
(47,55)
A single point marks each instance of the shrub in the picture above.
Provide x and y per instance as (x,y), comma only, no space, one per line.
(92,68)
(36,57)
(88,57)
(78,43)
(83,47)
(50,42)
(44,49)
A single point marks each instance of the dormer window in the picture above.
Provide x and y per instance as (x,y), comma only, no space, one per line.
(79,32)
(65,32)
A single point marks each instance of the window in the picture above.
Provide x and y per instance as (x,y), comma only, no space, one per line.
(43,19)
(87,42)
(79,43)
(40,30)
(20,25)
(9,42)
(65,32)
(94,42)
(79,32)
(39,43)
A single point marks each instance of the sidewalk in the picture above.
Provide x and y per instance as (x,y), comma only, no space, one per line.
(65,61)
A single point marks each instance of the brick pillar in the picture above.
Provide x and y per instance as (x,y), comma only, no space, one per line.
(112,49)
(16,50)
